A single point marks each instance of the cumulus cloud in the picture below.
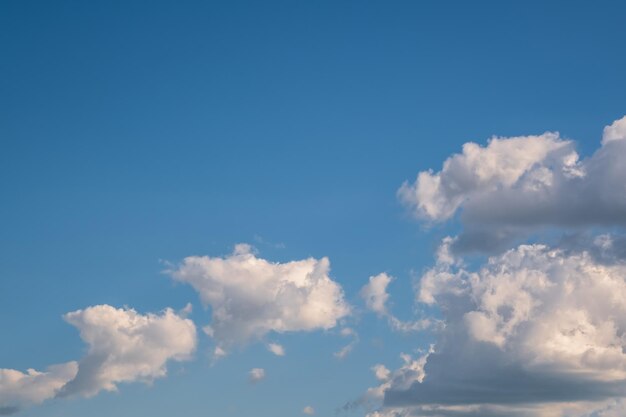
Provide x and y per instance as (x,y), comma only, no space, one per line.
(308,410)
(512,185)
(20,389)
(536,331)
(375,295)
(256,375)
(125,346)
(251,297)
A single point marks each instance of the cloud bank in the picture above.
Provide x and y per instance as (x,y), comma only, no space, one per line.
(538,330)
(535,328)
(251,297)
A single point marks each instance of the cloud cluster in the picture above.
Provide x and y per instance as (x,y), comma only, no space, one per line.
(251,297)
(514,185)
(529,333)
(538,330)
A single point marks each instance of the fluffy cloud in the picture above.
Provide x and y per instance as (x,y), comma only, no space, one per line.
(536,331)
(126,346)
(18,389)
(514,184)
(256,375)
(251,297)
(308,410)
(375,295)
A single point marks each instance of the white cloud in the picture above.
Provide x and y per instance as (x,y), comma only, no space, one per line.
(616,131)
(276,349)
(375,295)
(126,346)
(308,410)
(381,372)
(256,374)
(512,185)
(501,164)
(553,308)
(19,389)
(536,331)
(251,297)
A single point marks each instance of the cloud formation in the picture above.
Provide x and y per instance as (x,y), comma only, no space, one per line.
(512,185)
(20,389)
(125,346)
(536,331)
(251,297)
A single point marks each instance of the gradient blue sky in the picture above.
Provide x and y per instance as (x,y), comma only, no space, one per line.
(135,133)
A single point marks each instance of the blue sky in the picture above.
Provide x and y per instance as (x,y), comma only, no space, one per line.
(135,134)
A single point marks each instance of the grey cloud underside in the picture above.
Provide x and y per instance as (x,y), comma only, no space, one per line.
(537,331)
(513,187)
(604,249)
(598,198)
(87,380)
(494,220)
(504,385)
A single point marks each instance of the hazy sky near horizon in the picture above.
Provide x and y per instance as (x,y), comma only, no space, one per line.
(312,208)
